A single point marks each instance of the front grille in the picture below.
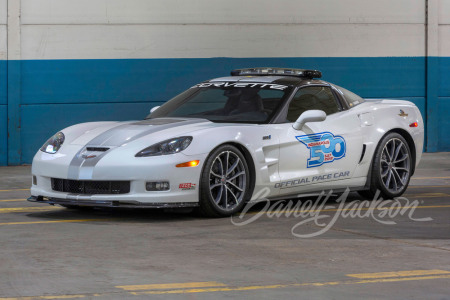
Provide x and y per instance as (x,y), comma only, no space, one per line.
(90,187)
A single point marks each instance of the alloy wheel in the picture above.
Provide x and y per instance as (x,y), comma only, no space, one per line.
(395,165)
(227,180)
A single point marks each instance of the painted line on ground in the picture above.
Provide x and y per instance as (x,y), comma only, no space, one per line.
(57,221)
(212,286)
(398,274)
(427,195)
(292,285)
(27,209)
(166,286)
(12,200)
(444,177)
(13,190)
(45,297)
(427,186)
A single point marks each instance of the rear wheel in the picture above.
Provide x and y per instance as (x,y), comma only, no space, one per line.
(225,182)
(391,168)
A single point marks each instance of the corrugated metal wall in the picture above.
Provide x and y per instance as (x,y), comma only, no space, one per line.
(74,61)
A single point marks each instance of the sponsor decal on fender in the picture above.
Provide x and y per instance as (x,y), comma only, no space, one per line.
(402,113)
(324,148)
(187,186)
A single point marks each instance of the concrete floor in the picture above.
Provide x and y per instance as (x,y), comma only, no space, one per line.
(120,254)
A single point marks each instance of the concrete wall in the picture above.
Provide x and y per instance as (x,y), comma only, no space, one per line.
(91,60)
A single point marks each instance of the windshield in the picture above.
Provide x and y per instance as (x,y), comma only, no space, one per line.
(226,102)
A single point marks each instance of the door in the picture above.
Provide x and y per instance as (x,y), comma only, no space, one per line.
(321,152)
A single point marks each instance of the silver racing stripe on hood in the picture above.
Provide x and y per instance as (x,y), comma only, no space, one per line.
(82,166)
(129,132)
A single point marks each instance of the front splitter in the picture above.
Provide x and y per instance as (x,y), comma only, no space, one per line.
(106,203)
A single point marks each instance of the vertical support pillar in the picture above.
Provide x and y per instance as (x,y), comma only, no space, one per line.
(432,75)
(14,81)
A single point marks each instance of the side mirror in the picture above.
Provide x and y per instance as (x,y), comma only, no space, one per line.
(309,116)
(154,108)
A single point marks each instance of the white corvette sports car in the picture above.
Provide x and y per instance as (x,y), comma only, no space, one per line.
(222,141)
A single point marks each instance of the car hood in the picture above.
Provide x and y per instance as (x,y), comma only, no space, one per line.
(116,134)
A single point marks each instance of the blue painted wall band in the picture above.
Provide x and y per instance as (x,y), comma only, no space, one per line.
(48,95)
(13,109)
(3,114)
(432,105)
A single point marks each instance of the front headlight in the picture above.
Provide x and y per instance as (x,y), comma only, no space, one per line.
(171,146)
(53,144)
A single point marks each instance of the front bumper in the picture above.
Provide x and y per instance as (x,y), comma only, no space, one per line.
(109,203)
(136,171)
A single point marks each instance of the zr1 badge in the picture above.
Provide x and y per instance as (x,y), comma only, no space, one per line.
(324,148)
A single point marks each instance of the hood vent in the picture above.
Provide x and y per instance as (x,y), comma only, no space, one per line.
(159,121)
(97,149)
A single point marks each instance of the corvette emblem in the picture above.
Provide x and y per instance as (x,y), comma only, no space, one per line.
(402,113)
(88,156)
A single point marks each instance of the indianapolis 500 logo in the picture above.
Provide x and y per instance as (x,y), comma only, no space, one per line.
(324,147)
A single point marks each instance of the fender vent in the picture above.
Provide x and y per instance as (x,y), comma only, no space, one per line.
(362,153)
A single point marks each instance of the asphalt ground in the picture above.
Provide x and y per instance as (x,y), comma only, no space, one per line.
(331,250)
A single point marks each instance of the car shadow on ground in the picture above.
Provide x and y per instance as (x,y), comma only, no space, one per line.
(148,215)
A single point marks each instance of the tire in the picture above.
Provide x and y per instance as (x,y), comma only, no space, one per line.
(391,168)
(224,182)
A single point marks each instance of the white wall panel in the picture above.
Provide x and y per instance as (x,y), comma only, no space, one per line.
(3,11)
(444,12)
(444,40)
(221,12)
(3,45)
(178,41)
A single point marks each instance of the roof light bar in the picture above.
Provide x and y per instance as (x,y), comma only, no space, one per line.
(277,71)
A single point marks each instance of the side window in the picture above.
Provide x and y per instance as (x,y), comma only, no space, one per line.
(313,97)
(351,98)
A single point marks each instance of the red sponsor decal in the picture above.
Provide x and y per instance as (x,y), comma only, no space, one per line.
(185,185)
(320,143)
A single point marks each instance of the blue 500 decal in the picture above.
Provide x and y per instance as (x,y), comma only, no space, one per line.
(324,147)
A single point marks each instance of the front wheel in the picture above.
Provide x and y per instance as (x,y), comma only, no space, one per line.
(224,183)
(391,169)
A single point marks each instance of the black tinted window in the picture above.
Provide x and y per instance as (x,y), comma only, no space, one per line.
(351,98)
(314,97)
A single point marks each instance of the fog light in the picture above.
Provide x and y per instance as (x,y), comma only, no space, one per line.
(34,180)
(157,186)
